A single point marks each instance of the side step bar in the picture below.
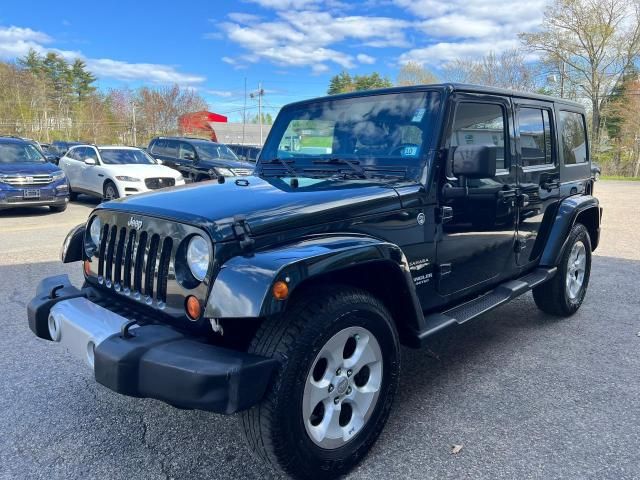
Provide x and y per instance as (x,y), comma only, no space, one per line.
(502,294)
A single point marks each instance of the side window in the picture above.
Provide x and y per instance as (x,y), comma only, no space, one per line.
(80,154)
(480,124)
(574,138)
(171,148)
(535,136)
(154,147)
(90,152)
(72,154)
(186,150)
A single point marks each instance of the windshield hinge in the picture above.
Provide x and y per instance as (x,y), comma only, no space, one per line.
(242,232)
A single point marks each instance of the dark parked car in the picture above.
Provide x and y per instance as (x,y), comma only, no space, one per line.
(61,147)
(247,153)
(286,295)
(198,159)
(27,179)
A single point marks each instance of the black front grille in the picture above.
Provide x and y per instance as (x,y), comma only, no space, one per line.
(134,262)
(155,183)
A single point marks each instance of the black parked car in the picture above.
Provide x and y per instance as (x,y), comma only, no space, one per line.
(286,295)
(27,179)
(60,147)
(198,159)
(248,153)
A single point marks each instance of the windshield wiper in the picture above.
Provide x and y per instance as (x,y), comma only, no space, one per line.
(353,164)
(285,163)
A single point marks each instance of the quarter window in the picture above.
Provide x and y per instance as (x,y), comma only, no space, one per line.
(185,149)
(574,138)
(480,124)
(535,137)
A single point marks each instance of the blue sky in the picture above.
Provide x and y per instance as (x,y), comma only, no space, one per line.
(292,46)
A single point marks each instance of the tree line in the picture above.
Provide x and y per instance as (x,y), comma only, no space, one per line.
(47,97)
(585,50)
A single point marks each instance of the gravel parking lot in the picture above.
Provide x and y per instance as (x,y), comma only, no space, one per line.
(526,395)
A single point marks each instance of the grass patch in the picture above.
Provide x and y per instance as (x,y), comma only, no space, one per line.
(619,177)
(325,142)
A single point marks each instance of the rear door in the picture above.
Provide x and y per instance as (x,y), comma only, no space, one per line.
(92,175)
(538,175)
(71,166)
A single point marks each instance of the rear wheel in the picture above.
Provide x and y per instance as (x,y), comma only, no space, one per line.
(333,393)
(110,191)
(564,293)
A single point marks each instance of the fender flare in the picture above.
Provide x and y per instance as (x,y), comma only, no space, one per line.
(242,288)
(568,212)
(73,245)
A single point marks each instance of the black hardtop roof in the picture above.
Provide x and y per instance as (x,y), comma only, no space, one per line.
(444,87)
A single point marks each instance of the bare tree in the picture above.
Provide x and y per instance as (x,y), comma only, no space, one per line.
(412,73)
(594,41)
(507,70)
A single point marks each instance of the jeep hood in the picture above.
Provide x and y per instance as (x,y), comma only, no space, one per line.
(268,205)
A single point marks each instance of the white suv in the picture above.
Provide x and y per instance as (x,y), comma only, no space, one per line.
(111,171)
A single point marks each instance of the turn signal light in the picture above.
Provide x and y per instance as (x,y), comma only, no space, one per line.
(193,308)
(87,267)
(280,290)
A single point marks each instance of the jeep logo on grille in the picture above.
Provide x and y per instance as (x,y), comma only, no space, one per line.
(135,223)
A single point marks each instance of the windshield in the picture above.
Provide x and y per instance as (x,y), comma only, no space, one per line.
(378,132)
(212,151)
(121,156)
(20,153)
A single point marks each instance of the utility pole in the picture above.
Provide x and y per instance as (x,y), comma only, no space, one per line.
(135,133)
(259,94)
(244,110)
(561,78)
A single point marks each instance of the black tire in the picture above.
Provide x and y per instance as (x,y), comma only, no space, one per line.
(58,208)
(110,191)
(553,296)
(275,429)
(73,196)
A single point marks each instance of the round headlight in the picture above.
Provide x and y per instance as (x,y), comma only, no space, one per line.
(94,231)
(198,257)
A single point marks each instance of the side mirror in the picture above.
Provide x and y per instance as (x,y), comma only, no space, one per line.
(188,156)
(158,161)
(90,161)
(474,161)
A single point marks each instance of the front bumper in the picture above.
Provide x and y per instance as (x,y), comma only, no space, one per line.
(54,195)
(150,360)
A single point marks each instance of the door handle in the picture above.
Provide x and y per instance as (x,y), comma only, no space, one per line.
(550,185)
(504,194)
(444,214)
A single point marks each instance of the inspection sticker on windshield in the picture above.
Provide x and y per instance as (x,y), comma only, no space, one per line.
(417,116)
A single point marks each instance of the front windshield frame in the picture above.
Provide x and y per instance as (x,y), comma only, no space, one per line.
(142,153)
(34,155)
(205,152)
(429,101)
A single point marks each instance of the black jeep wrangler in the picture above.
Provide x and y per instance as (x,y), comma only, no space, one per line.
(373,219)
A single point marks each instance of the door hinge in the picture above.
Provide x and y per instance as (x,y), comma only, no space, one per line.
(444,214)
(242,232)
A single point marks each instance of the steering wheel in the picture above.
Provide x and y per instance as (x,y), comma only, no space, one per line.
(399,149)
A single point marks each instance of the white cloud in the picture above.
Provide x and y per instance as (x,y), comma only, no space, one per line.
(219,93)
(444,52)
(468,28)
(365,59)
(16,42)
(305,37)
(242,17)
(150,72)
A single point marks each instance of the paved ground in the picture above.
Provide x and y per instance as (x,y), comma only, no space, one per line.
(527,396)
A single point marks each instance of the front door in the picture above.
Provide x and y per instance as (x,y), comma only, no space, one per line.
(476,246)
(538,175)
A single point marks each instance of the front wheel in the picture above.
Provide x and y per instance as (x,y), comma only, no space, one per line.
(564,293)
(110,191)
(333,392)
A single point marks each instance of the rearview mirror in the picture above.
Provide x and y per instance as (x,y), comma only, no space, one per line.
(474,161)
(90,161)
